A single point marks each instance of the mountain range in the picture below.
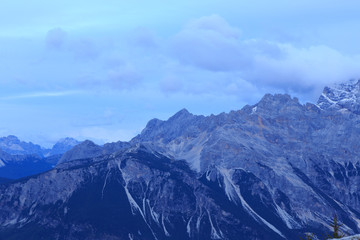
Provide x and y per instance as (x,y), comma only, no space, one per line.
(13,145)
(263,172)
(20,159)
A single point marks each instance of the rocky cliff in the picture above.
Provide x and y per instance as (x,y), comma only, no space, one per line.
(262,172)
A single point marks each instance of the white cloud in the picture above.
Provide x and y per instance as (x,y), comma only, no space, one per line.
(210,44)
(207,56)
(123,77)
(143,37)
(208,66)
(303,68)
(171,83)
(215,24)
(84,49)
(55,38)
(40,95)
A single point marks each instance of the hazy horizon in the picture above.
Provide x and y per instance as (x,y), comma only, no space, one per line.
(97,71)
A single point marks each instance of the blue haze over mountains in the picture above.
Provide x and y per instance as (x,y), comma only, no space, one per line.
(262,172)
(20,159)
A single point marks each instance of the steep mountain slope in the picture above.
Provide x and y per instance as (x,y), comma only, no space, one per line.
(17,166)
(262,172)
(307,152)
(133,195)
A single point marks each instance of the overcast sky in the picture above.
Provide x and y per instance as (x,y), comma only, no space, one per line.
(101,70)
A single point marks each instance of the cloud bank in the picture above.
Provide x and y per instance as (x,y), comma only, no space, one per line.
(211,44)
(208,55)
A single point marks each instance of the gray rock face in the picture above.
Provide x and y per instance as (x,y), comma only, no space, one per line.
(88,149)
(342,96)
(113,147)
(5,157)
(263,172)
(62,146)
(309,152)
(134,195)
(13,145)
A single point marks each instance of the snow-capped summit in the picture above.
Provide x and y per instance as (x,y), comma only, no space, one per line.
(354,237)
(341,96)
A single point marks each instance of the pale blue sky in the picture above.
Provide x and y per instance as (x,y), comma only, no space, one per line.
(100,70)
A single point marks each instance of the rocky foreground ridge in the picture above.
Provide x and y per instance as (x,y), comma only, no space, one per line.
(262,172)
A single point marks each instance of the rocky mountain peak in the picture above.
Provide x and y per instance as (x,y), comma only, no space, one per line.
(12,145)
(86,149)
(277,99)
(164,130)
(63,145)
(182,114)
(10,139)
(87,143)
(153,123)
(273,104)
(68,141)
(341,96)
(243,173)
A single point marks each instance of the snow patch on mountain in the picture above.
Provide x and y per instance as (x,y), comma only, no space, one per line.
(354,237)
(341,96)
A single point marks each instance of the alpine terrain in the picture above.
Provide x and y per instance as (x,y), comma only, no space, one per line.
(21,159)
(264,172)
